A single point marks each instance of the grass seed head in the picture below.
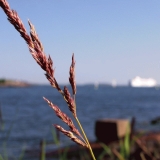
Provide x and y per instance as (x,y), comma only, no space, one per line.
(63,117)
(70,101)
(72,76)
(71,136)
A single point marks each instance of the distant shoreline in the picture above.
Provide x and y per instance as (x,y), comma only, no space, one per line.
(13,83)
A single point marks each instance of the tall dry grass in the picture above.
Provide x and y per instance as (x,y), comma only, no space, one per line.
(45,62)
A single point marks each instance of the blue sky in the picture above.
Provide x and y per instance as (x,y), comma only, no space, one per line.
(116,39)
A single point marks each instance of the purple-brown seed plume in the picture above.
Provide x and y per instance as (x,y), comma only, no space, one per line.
(63,117)
(70,101)
(34,44)
(72,76)
(71,136)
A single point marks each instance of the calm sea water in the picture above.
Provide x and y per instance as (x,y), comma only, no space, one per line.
(28,119)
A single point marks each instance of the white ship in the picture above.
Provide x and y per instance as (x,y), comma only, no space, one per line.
(142,82)
(114,83)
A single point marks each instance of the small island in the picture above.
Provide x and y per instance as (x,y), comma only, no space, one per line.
(13,83)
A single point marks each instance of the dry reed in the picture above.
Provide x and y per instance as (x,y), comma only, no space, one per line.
(36,49)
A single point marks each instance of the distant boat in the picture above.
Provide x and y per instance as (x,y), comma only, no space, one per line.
(96,85)
(142,82)
(114,83)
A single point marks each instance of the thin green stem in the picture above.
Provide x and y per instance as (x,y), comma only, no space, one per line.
(86,139)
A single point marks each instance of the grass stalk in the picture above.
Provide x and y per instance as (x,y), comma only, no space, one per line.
(46,63)
(86,139)
(43,152)
(1,158)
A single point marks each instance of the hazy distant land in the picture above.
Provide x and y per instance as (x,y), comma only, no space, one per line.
(13,83)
